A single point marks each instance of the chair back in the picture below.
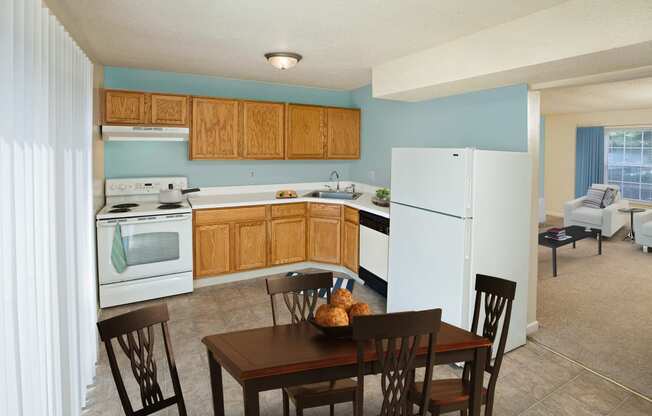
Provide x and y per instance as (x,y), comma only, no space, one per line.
(300,294)
(494,297)
(135,334)
(396,339)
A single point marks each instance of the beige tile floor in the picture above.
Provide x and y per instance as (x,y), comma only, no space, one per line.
(533,380)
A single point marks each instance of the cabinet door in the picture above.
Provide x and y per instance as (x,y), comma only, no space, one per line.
(343,133)
(350,246)
(264,130)
(324,240)
(288,240)
(215,132)
(124,107)
(250,245)
(212,249)
(305,132)
(169,110)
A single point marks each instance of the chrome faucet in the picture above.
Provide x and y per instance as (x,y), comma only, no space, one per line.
(337,177)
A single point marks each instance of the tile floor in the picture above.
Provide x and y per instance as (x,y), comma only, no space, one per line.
(533,381)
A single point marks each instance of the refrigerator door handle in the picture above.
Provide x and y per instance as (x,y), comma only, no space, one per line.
(467,241)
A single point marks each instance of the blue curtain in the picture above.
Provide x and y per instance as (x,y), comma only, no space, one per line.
(589,158)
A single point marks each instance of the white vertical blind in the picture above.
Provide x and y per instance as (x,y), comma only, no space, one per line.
(47,283)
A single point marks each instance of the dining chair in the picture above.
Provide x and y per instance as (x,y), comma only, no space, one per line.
(395,339)
(449,395)
(301,295)
(135,334)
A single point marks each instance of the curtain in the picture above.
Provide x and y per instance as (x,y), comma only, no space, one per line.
(589,158)
(48,310)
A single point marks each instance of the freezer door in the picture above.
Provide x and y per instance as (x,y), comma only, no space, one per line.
(436,179)
(428,264)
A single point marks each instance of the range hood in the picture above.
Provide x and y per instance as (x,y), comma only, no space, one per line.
(145,134)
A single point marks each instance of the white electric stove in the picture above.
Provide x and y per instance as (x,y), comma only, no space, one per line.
(144,248)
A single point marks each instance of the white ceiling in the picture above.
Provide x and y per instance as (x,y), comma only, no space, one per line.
(340,39)
(623,95)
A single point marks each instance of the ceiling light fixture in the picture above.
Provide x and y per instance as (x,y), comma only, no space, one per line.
(283,60)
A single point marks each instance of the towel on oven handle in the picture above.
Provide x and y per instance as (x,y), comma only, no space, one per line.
(118,254)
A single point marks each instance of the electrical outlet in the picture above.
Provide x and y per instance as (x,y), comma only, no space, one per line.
(372,175)
(252,173)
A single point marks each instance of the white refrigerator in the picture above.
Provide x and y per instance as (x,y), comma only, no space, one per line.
(456,213)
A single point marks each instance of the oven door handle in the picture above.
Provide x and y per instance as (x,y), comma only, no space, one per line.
(144,220)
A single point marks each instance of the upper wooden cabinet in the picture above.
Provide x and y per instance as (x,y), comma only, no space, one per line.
(145,109)
(263,130)
(124,107)
(343,133)
(169,110)
(305,126)
(215,129)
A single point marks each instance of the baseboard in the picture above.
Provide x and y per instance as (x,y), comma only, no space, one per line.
(532,327)
(252,274)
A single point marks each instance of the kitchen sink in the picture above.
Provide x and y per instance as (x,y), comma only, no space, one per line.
(333,194)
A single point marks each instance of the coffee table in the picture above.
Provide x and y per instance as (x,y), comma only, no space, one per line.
(576,233)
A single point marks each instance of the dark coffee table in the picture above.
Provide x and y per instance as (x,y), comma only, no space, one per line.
(576,233)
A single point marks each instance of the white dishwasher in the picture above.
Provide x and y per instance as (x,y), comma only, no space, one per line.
(374,251)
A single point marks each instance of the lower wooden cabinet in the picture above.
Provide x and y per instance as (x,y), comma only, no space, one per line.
(350,245)
(212,249)
(288,240)
(324,243)
(229,240)
(250,245)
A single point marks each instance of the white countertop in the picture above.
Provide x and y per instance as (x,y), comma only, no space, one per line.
(363,202)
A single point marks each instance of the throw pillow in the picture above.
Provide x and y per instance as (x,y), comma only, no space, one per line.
(594,198)
(609,197)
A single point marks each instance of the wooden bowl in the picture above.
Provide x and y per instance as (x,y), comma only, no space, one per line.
(334,332)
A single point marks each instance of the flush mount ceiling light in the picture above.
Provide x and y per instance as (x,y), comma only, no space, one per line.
(283,60)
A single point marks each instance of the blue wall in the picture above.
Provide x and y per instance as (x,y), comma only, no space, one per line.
(132,159)
(491,119)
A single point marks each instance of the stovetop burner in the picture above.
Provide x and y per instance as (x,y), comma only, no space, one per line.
(128,205)
(169,206)
(119,210)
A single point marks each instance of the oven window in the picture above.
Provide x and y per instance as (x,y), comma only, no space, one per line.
(149,248)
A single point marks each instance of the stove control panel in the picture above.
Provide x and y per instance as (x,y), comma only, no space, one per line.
(142,186)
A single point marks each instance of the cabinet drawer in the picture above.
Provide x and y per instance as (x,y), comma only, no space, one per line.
(288,210)
(351,215)
(213,216)
(325,210)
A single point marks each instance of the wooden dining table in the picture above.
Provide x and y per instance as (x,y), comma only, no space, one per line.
(287,355)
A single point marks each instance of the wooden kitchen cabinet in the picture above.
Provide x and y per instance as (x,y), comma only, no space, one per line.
(263,130)
(305,132)
(250,245)
(169,110)
(288,240)
(343,133)
(350,239)
(124,107)
(324,239)
(212,249)
(215,129)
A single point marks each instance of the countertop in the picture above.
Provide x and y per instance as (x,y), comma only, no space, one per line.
(363,203)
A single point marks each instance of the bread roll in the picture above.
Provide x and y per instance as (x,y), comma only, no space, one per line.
(342,298)
(329,315)
(359,309)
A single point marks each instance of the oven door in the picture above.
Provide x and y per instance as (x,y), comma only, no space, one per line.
(151,246)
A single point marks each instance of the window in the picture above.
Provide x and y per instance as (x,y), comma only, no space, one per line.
(628,162)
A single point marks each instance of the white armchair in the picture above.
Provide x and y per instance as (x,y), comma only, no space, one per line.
(643,229)
(608,219)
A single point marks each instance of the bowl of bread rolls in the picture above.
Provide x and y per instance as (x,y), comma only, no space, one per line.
(334,319)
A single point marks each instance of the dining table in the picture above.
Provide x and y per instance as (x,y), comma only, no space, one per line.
(271,358)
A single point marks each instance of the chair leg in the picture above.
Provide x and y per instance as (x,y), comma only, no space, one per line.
(286,403)
(332,406)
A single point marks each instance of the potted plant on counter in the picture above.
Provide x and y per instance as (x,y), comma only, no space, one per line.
(382,197)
